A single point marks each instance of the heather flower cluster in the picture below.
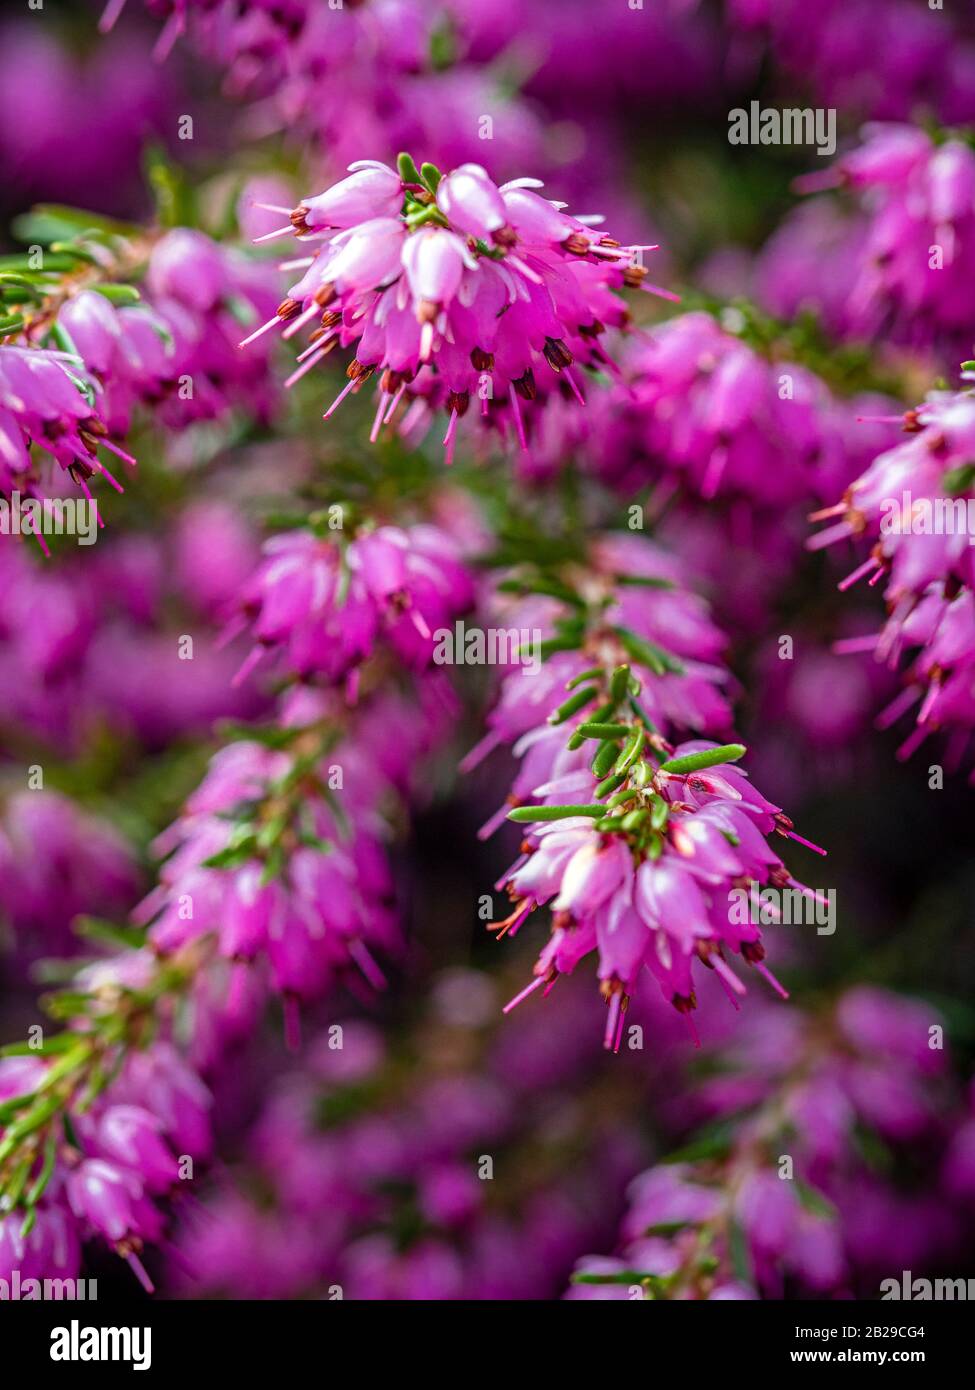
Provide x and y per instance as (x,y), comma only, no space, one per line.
(83,350)
(626,601)
(495,292)
(702,408)
(279,872)
(914,504)
(276,877)
(264,1043)
(644,876)
(788,1198)
(111,1171)
(724,411)
(320,606)
(907,251)
(632,842)
(179,349)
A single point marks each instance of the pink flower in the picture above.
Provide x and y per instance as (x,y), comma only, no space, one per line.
(591,876)
(48,401)
(908,269)
(645,878)
(472,203)
(187,266)
(371,190)
(434,261)
(915,504)
(132,1136)
(367,256)
(110,1199)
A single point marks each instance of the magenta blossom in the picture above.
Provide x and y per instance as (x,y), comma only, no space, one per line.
(323,605)
(464,287)
(298,899)
(916,505)
(128,1153)
(642,613)
(176,351)
(648,887)
(47,400)
(645,853)
(724,421)
(910,279)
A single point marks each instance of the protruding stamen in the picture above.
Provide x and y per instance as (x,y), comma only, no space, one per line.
(338,400)
(529,989)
